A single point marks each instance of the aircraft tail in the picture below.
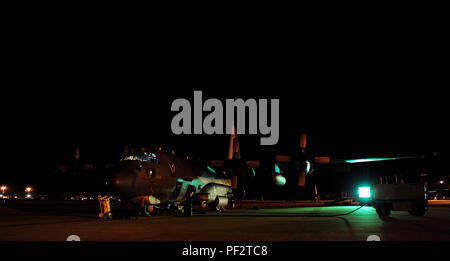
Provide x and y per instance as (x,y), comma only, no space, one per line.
(233,150)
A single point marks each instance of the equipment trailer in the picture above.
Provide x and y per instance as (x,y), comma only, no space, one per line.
(403,197)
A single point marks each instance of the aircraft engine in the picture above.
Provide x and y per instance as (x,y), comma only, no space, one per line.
(214,195)
(279,180)
(221,202)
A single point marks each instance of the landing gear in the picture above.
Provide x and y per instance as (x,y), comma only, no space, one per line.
(187,208)
(148,208)
(220,209)
(417,211)
(384,211)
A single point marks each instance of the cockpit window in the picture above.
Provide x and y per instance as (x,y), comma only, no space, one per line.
(146,157)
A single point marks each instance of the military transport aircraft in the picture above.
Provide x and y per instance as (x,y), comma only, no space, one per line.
(150,178)
(158,178)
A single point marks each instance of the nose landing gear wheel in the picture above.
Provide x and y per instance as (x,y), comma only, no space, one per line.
(417,211)
(383,212)
(187,210)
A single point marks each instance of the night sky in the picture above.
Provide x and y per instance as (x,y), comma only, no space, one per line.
(353,92)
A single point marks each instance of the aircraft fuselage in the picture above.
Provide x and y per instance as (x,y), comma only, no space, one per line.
(158,178)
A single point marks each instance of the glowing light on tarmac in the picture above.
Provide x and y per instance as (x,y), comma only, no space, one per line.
(364,192)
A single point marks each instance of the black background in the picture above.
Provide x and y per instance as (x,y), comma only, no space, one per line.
(357,84)
(356,89)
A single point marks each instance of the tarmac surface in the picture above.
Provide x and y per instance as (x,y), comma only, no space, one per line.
(56,221)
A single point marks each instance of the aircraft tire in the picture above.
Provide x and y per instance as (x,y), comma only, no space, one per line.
(384,211)
(187,210)
(417,212)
